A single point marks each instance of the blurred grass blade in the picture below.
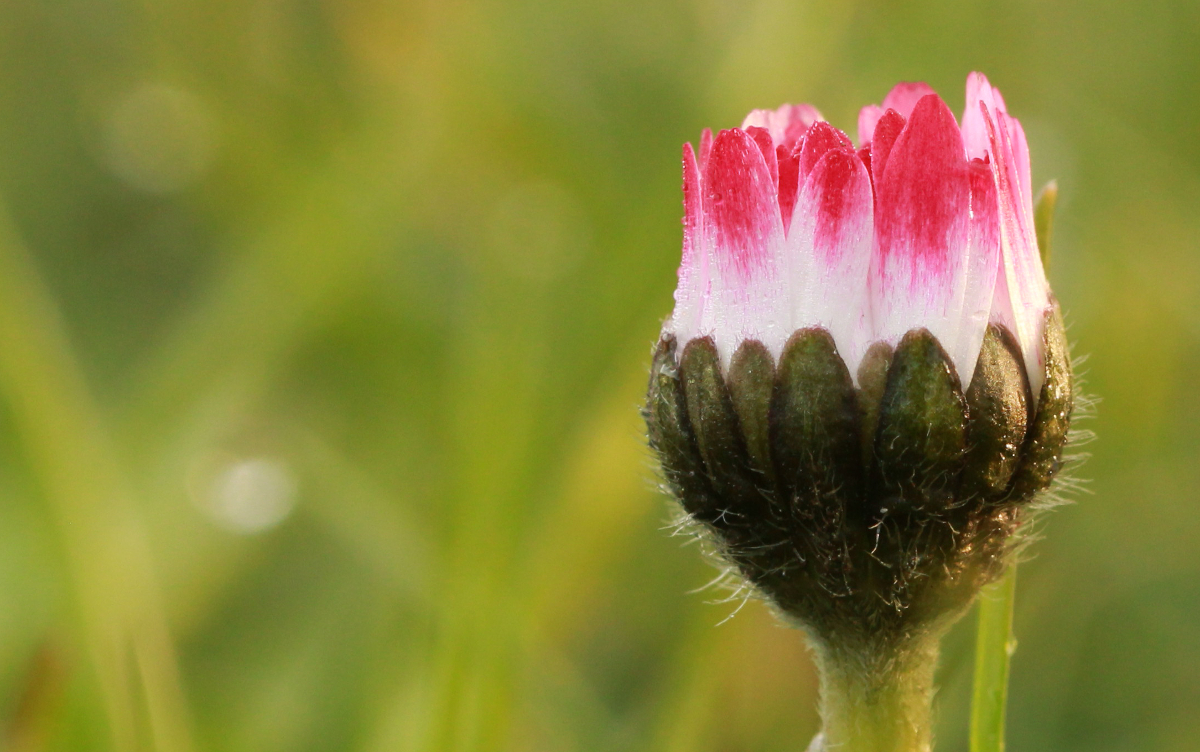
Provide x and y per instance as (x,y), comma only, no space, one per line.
(70,450)
(994,645)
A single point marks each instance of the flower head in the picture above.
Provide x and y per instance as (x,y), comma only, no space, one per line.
(927,225)
(865,379)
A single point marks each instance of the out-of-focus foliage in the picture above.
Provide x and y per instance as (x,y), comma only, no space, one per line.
(324,324)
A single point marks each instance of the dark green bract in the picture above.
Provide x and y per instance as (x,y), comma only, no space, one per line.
(871,513)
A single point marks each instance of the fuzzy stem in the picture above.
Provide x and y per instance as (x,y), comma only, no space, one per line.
(877,698)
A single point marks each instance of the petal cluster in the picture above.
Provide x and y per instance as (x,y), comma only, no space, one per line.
(927,224)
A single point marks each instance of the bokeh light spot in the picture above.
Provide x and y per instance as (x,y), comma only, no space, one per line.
(250,495)
(159,139)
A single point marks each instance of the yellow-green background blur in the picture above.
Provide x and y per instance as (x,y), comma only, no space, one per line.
(324,326)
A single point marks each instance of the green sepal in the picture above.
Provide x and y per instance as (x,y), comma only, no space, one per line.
(921,441)
(1042,455)
(718,432)
(751,381)
(672,439)
(872,381)
(818,465)
(998,415)
(814,419)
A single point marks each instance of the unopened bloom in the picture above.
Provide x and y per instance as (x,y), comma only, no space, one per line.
(865,379)
(927,225)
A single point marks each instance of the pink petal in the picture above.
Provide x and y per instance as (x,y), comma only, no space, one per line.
(800,118)
(820,138)
(886,133)
(1021,292)
(744,235)
(1022,295)
(999,99)
(787,124)
(981,267)
(758,119)
(1020,154)
(789,178)
(762,137)
(864,154)
(693,268)
(829,251)
(837,193)
(974,130)
(904,96)
(919,270)
(706,141)
(867,118)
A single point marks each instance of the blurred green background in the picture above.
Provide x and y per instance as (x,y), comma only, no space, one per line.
(324,326)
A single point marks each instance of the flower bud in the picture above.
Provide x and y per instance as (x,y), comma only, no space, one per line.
(865,381)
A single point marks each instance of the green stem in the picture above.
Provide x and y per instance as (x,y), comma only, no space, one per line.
(878,699)
(994,645)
